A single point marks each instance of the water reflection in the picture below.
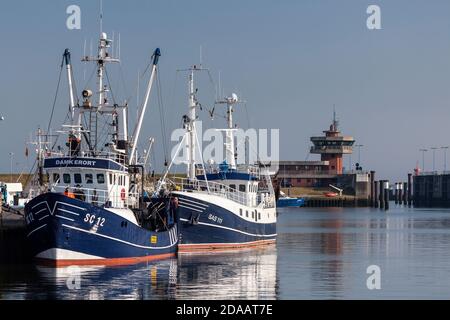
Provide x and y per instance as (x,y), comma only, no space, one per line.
(320,253)
(248,274)
(239,275)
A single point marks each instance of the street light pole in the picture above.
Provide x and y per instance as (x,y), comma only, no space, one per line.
(445,157)
(423,158)
(11,154)
(434,157)
(359,152)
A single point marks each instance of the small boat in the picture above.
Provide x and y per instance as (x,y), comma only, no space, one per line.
(330,194)
(285,202)
(93,210)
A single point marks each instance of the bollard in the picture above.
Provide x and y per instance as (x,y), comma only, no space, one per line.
(386,199)
(396,193)
(409,189)
(372,189)
(405,193)
(375,194)
(381,183)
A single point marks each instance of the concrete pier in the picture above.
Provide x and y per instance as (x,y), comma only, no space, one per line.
(13,248)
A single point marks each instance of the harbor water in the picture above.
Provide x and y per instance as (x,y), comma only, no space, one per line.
(321,253)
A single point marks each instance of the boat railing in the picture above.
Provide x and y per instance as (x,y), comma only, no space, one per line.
(101,198)
(224,191)
(210,187)
(114,156)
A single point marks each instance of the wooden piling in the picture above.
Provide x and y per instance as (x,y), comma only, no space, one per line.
(375,195)
(372,189)
(409,189)
(405,193)
(381,183)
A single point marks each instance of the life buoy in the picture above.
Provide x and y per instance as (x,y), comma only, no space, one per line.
(122,194)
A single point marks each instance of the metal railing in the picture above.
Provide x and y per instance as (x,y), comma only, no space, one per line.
(101,198)
(114,156)
(224,191)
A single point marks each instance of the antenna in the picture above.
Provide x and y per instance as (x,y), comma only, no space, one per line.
(101,16)
(220,87)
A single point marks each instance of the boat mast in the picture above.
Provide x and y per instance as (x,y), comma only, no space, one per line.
(229,136)
(191,126)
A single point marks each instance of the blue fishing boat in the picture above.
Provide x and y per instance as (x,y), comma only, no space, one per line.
(220,206)
(91,209)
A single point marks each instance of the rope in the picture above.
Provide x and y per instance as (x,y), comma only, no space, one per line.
(56,95)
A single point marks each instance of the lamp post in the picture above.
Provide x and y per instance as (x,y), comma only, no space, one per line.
(445,156)
(423,158)
(434,157)
(359,152)
(11,155)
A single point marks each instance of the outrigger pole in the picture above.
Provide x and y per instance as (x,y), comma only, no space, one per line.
(138,127)
(69,80)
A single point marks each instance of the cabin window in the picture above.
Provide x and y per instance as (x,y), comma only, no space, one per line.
(253,215)
(66,178)
(259,215)
(100,178)
(240,212)
(89,178)
(120,180)
(246,213)
(56,178)
(242,187)
(77,178)
(232,187)
(110,178)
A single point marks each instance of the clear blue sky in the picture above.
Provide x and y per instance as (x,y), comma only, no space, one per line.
(290,60)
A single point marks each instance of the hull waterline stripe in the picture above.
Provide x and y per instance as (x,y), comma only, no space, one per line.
(36,230)
(115,239)
(215,247)
(101,262)
(235,230)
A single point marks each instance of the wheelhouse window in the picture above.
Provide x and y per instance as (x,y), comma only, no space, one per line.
(66,178)
(100,178)
(242,187)
(56,178)
(77,178)
(89,178)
